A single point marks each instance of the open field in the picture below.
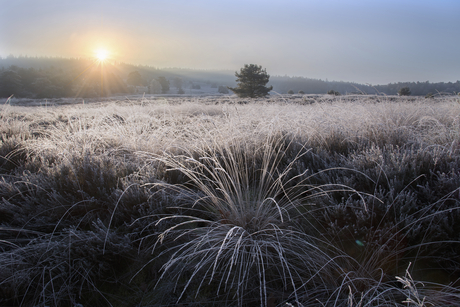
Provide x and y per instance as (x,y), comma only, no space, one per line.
(317,201)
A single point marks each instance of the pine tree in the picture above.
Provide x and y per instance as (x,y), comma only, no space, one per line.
(251,82)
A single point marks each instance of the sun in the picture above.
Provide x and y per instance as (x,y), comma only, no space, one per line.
(102,54)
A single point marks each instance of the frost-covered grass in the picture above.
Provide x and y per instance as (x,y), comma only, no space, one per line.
(287,201)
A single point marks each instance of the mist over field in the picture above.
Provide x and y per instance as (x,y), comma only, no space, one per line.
(48,77)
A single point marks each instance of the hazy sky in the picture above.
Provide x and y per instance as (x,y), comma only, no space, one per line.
(365,41)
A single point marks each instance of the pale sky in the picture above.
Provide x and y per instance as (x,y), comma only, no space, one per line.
(364,41)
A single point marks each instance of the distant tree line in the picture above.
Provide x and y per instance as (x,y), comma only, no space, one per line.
(420,88)
(282,84)
(52,77)
(49,77)
(69,78)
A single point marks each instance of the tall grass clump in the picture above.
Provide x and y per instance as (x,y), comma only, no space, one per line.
(237,229)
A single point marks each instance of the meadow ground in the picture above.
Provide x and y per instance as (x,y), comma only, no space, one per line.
(215,201)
